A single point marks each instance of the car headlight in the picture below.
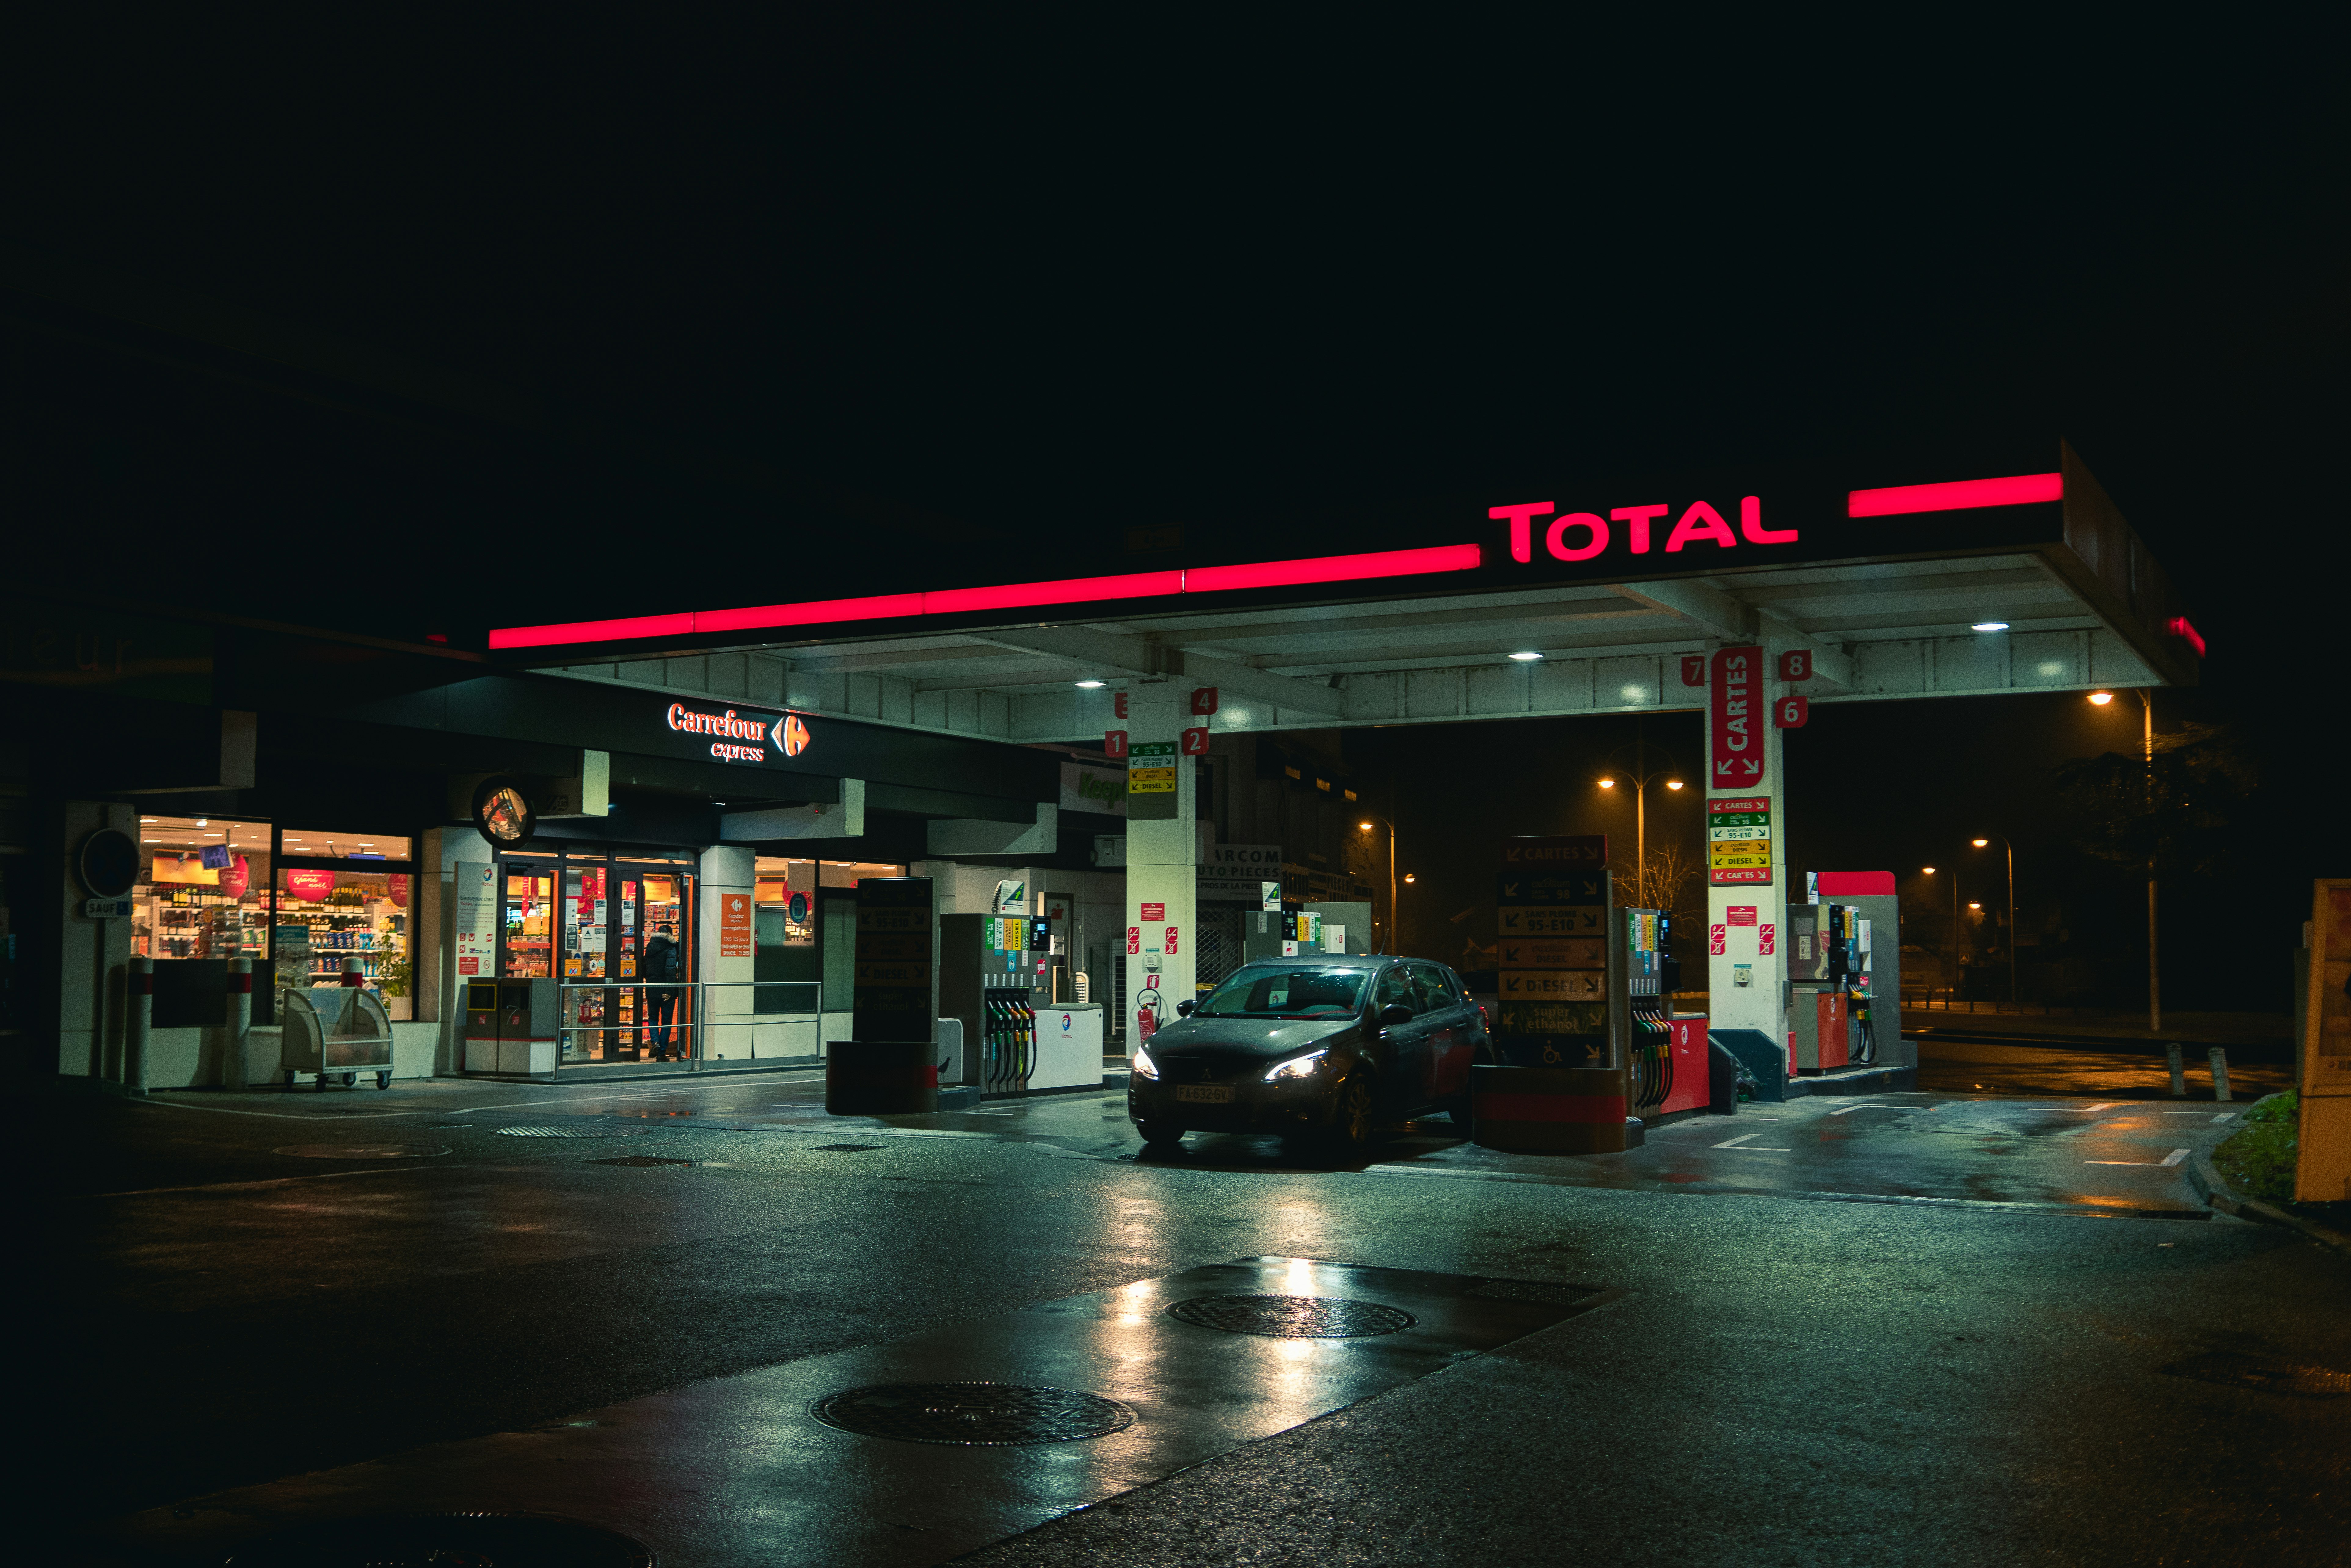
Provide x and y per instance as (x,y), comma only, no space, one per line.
(1141,1064)
(1305,1066)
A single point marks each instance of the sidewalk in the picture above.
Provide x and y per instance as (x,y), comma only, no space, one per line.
(2187,1028)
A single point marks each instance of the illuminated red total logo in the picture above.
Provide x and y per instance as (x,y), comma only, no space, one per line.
(1580,536)
(795,731)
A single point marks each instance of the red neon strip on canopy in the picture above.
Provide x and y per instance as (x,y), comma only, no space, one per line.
(591,631)
(815,612)
(2178,627)
(1334,568)
(1068,590)
(1009,596)
(1958,496)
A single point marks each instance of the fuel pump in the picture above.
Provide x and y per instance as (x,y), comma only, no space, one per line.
(1820,973)
(1859,988)
(1648,1008)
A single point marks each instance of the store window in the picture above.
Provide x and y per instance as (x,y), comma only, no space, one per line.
(314,845)
(204,889)
(529,931)
(784,958)
(334,918)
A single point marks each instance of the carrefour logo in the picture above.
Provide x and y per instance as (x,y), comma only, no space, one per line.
(739,738)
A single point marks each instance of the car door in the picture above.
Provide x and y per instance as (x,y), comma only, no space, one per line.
(1403,1047)
(1452,1037)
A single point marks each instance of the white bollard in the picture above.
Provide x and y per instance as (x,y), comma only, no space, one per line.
(2218,1057)
(240,1024)
(141,1019)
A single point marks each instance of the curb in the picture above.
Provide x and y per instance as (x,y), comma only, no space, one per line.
(2206,1178)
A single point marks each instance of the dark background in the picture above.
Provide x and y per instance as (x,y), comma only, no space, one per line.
(539,316)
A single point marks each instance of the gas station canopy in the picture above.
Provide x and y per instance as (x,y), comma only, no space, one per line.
(2001,577)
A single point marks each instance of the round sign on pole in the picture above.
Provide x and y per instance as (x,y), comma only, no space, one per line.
(107,863)
(798,909)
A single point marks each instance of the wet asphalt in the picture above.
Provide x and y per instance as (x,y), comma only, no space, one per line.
(1871,1330)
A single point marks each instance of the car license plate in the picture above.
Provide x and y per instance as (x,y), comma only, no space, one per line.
(1205,1093)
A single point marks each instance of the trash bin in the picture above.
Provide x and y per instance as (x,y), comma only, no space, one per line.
(1553,1110)
(880,1078)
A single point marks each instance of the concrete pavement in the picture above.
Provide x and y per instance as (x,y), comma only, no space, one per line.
(1974,1373)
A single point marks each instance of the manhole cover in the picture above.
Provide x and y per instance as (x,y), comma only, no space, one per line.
(531,1132)
(639,1162)
(847,1149)
(972,1414)
(1291,1317)
(2268,1376)
(1540,1290)
(360,1151)
(446,1541)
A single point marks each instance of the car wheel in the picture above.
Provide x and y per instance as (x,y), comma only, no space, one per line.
(1161,1136)
(1350,1118)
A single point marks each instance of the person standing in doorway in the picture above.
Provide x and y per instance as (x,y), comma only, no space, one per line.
(664,967)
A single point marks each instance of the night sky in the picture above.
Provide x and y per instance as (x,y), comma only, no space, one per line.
(1036,280)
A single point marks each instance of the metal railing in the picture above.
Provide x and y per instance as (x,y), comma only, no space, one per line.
(681,1021)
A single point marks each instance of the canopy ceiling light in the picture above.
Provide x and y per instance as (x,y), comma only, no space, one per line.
(1526,658)
(1092,686)
(1989,626)
(2101,698)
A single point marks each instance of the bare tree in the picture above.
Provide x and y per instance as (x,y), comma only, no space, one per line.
(1659,884)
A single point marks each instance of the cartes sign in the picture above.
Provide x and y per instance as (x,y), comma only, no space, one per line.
(1734,705)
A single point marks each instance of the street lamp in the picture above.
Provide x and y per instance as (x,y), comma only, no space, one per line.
(1955,929)
(2014,999)
(1388,938)
(2154,975)
(1640,779)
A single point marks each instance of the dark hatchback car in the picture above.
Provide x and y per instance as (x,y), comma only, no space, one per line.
(1324,1046)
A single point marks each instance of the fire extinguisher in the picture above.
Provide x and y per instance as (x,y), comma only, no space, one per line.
(1147,1015)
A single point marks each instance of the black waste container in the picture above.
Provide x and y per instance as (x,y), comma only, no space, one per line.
(880,1078)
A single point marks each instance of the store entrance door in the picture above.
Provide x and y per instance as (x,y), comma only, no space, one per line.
(627,926)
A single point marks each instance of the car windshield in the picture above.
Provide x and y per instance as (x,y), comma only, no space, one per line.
(1288,991)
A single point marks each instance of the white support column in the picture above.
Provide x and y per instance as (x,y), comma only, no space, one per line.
(1162,852)
(1759,1004)
(723,1021)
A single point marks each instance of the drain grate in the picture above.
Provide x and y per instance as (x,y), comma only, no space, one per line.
(639,1162)
(972,1414)
(2267,1376)
(1292,1317)
(526,1130)
(1540,1290)
(476,1539)
(360,1151)
(847,1149)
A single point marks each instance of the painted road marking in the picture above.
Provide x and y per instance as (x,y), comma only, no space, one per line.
(1758,1149)
(2173,1158)
(2223,1116)
(2108,1106)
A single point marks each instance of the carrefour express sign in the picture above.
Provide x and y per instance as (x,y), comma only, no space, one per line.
(739,734)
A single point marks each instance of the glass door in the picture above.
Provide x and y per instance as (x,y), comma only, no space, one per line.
(664,892)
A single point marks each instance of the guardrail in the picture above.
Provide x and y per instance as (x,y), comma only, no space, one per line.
(679,1019)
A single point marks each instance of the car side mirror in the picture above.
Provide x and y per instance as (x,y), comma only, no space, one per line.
(1183,1009)
(1394,1013)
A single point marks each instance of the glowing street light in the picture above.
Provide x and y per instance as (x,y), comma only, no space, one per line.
(2100,699)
